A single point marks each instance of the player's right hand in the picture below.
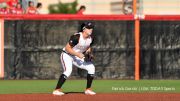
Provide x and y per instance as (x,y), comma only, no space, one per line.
(80,55)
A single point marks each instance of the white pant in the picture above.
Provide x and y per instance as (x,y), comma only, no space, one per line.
(69,60)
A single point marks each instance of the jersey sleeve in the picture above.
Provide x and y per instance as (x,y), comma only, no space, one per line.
(74,40)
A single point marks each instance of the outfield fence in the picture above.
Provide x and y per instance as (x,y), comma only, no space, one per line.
(127,46)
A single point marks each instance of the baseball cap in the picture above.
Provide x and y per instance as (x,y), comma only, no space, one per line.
(89,25)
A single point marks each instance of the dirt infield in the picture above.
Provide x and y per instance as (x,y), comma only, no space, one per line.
(98,97)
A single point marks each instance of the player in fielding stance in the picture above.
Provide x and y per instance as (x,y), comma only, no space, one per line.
(73,55)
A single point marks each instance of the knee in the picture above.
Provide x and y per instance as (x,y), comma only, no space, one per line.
(67,72)
(91,69)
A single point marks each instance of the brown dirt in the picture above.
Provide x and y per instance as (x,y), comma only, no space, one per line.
(97,97)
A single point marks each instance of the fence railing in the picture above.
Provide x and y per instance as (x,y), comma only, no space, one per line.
(137,19)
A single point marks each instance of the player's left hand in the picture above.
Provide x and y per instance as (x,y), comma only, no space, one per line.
(88,56)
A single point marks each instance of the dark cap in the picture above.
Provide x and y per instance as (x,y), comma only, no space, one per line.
(89,25)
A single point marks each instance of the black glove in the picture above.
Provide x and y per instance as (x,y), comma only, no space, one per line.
(88,56)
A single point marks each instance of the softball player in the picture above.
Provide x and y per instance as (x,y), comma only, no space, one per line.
(73,55)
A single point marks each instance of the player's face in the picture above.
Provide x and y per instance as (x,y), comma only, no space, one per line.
(88,31)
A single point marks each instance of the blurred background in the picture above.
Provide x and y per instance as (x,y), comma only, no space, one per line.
(104,6)
(121,6)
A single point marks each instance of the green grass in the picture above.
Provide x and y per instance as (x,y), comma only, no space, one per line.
(99,86)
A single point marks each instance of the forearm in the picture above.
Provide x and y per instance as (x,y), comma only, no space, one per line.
(89,50)
(69,49)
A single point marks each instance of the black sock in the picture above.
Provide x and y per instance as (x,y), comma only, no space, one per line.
(61,81)
(90,78)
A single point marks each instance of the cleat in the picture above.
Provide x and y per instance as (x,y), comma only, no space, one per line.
(58,92)
(89,92)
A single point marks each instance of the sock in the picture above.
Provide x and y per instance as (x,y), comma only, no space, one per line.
(90,78)
(61,81)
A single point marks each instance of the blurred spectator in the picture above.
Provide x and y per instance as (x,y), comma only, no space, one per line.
(81,10)
(12,3)
(31,9)
(4,9)
(25,3)
(39,8)
(19,9)
(12,8)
